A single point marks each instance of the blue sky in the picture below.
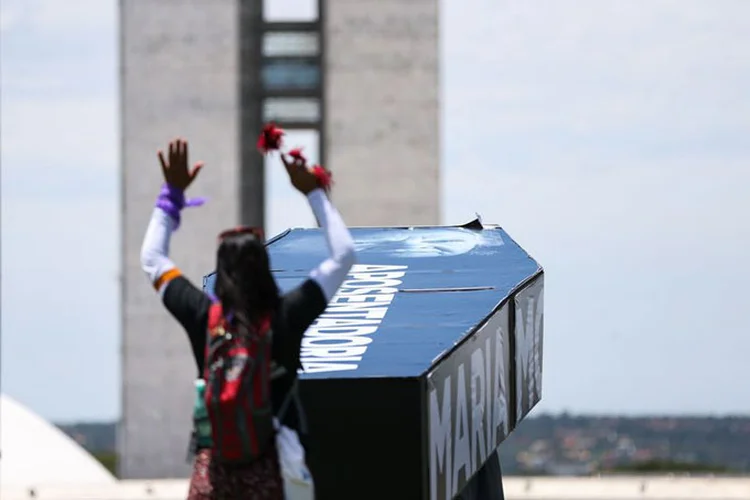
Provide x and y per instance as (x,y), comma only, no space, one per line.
(609,138)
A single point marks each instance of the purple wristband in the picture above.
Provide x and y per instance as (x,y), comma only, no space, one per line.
(172,201)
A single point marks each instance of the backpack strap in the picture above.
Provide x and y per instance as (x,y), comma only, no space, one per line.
(215,326)
(292,396)
(215,315)
(287,401)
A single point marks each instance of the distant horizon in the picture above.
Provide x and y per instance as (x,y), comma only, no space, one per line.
(529,417)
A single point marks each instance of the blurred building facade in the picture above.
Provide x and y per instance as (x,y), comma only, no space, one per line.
(364,73)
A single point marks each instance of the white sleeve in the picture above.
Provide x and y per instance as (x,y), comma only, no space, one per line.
(155,260)
(331,273)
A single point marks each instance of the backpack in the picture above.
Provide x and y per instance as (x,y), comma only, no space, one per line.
(238,388)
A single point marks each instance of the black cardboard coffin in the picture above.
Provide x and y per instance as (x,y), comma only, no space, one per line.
(424,362)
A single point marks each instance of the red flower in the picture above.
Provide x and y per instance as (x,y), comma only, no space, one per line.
(324,177)
(296,154)
(270,138)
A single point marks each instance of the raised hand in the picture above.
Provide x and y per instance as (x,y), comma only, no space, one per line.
(175,166)
(300,175)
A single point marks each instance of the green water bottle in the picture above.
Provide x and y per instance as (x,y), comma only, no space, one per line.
(200,416)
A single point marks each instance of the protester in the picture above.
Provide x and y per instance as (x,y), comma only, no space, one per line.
(249,308)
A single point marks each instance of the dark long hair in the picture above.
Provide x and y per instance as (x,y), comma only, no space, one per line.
(244,283)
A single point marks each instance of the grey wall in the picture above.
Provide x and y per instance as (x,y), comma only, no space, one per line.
(179,76)
(383,110)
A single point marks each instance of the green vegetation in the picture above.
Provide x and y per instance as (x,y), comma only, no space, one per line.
(666,466)
(568,444)
(108,459)
(662,466)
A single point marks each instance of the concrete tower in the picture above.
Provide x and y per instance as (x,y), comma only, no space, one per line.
(364,73)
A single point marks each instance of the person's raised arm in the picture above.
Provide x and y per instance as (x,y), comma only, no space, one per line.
(331,273)
(165,218)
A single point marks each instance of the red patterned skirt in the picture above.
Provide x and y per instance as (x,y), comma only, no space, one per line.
(260,480)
